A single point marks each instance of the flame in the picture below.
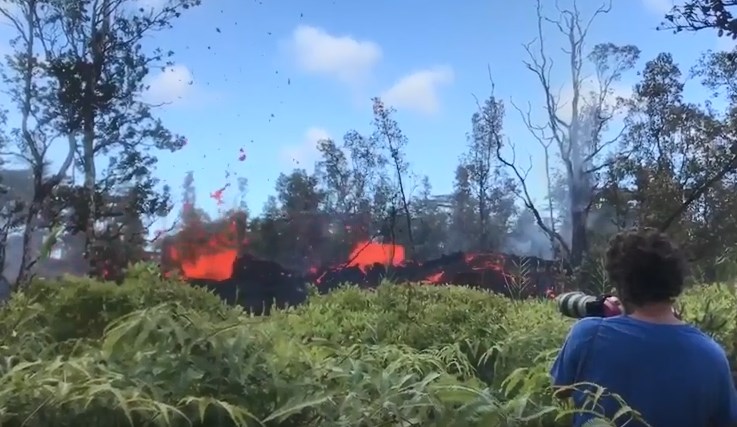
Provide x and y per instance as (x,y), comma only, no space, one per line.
(485,261)
(206,254)
(209,251)
(366,254)
(435,278)
(213,266)
(472,262)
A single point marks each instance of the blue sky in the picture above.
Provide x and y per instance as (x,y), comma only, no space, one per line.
(272,77)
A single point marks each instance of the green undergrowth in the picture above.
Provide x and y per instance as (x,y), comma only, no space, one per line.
(77,352)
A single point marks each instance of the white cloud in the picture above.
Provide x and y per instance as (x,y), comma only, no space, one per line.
(174,85)
(304,154)
(419,91)
(342,57)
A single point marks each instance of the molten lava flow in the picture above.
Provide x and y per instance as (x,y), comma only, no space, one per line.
(435,278)
(206,254)
(216,251)
(485,261)
(212,266)
(366,254)
(480,263)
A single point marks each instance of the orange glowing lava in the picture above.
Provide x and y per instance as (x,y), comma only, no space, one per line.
(206,254)
(214,266)
(366,254)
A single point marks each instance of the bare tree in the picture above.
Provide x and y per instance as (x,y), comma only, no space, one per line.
(492,112)
(578,128)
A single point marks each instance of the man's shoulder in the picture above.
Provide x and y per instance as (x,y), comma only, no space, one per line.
(707,345)
(704,347)
(586,327)
(694,338)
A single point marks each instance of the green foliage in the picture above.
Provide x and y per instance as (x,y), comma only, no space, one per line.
(73,308)
(151,352)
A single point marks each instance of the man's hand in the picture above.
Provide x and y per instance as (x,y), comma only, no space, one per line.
(612,307)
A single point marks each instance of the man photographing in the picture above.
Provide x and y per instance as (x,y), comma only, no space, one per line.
(671,373)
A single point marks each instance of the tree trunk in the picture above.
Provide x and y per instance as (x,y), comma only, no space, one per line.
(29,227)
(579,242)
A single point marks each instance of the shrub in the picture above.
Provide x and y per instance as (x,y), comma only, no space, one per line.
(152,352)
(80,308)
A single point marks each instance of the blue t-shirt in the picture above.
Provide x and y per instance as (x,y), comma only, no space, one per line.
(673,375)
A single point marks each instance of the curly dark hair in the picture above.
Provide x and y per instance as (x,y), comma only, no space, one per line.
(645,266)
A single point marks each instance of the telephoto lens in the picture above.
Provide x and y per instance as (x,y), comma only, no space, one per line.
(579,305)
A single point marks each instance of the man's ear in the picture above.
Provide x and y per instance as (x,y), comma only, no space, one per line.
(627,307)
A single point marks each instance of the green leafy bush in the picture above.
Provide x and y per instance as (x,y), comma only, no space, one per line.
(151,352)
(74,307)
